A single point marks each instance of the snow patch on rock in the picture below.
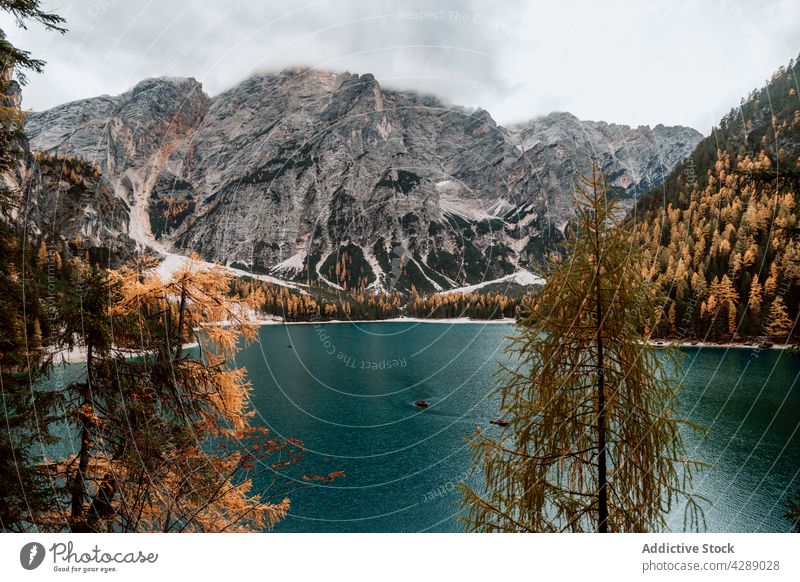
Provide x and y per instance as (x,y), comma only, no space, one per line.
(522,277)
(292,265)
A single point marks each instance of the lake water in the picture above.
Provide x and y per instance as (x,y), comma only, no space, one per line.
(348,391)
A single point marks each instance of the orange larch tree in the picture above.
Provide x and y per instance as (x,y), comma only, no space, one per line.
(165,437)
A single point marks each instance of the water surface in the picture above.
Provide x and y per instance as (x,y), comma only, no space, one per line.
(348,392)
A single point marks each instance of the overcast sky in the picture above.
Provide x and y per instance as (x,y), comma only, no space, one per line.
(671,61)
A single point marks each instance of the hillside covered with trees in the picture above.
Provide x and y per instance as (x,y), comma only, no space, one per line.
(722,235)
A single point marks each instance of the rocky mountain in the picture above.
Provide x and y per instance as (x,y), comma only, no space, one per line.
(634,159)
(315,175)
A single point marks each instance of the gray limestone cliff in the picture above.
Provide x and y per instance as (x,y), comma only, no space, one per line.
(312,174)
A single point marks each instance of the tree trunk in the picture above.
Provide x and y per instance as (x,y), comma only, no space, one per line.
(602,478)
(77,522)
(602,496)
(181,310)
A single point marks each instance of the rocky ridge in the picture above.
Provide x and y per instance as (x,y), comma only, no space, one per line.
(317,175)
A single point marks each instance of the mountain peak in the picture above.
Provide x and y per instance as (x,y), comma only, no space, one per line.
(299,164)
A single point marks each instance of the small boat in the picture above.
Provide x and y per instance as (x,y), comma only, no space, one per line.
(422,403)
(499,422)
(694,343)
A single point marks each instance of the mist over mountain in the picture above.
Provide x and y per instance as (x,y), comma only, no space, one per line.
(317,175)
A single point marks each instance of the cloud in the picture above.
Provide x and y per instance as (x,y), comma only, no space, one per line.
(678,62)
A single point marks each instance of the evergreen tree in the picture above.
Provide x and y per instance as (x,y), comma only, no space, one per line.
(592,442)
(165,438)
(25,11)
(25,487)
(779,323)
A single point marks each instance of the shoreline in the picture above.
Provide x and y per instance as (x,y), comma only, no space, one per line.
(733,345)
(450,320)
(510,321)
(78,354)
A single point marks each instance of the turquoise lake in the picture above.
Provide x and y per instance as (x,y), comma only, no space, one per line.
(347,391)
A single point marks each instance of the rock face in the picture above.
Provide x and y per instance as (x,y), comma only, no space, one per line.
(635,160)
(51,199)
(69,199)
(327,176)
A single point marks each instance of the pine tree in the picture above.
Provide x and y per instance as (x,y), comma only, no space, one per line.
(593,442)
(41,256)
(24,11)
(166,442)
(25,486)
(755,299)
(672,317)
(779,322)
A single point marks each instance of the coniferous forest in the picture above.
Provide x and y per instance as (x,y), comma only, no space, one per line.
(721,235)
